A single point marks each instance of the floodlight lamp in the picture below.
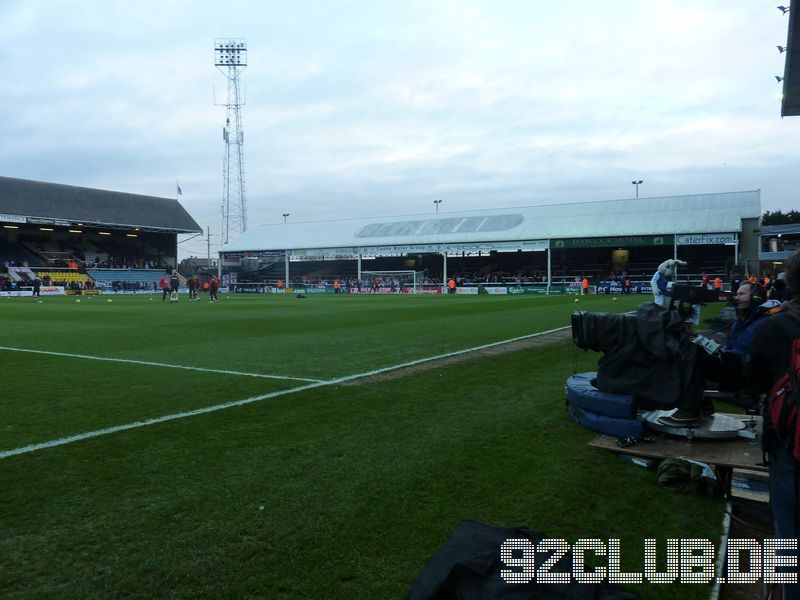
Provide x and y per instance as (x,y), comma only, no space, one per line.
(781,49)
(778,79)
(783,9)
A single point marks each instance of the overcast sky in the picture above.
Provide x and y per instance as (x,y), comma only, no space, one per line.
(370,107)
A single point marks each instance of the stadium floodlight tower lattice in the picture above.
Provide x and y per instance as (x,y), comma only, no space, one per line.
(409,280)
(230,57)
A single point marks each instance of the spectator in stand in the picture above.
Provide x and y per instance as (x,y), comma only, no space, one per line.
(718,283)
(704,280)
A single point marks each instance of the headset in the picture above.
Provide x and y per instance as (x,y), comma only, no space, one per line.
(759,293)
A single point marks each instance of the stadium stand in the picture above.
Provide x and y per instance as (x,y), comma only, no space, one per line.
(15,254)
(78,236)
(713,233)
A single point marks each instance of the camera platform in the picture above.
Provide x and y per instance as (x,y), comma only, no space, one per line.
(718,426)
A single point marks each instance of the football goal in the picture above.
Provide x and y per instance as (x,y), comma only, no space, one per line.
(392,281)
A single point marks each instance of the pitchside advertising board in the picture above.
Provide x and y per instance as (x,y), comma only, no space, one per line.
(482,290)
(46,290)
(538,289)
(615,287)
(366,289)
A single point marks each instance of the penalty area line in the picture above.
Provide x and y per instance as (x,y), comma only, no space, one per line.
(156,364)
(225,405)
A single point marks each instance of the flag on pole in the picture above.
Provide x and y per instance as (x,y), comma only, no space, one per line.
(180,191)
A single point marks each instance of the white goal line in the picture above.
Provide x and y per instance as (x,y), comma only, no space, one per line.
(225,405)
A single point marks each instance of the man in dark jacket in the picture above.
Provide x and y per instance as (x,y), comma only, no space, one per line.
(748,298)
(770,360)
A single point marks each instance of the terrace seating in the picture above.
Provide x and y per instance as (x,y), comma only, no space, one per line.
(65,276)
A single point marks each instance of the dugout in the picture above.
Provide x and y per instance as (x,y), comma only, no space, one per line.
(50,225)
(544,242)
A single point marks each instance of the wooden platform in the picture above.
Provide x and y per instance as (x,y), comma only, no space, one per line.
(738,453)
(723,455)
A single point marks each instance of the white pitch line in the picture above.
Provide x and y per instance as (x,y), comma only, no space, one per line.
(217,407)
(155,364)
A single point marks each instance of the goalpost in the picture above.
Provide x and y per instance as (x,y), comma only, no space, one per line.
(394,279)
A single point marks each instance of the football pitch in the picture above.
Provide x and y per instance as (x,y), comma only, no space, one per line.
(272,446)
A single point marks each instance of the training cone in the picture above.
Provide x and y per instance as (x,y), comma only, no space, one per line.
(576,300)
(78,300)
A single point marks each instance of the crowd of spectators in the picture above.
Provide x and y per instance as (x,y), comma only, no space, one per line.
(112,262)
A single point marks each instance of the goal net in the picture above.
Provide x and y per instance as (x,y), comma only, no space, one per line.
(392,281)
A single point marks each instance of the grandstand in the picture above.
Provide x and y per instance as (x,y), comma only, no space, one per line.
(82,237)
(543,244)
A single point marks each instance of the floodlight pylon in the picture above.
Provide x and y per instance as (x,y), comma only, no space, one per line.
(230,57)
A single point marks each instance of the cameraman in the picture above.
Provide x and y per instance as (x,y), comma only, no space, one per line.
(726,368)
(748,299)
(770,360)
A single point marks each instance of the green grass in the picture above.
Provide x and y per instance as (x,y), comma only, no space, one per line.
(343,491)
